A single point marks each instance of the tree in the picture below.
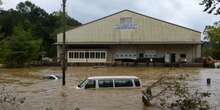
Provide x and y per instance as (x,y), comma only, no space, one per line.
(211,6)
(70,22)
(8,20)
(0,2)
(173,93)
(9,100)
(44,25)
(214,36)
(19,49)
(33,20)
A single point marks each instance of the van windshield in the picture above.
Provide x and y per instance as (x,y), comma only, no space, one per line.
(81,83)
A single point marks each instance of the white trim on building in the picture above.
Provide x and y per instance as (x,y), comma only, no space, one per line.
(87,56)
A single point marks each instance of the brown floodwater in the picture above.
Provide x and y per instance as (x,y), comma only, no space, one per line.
(41,94)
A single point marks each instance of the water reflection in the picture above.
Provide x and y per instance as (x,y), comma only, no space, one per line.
(43,94)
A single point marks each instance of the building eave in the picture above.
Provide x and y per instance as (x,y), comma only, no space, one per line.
(133,43)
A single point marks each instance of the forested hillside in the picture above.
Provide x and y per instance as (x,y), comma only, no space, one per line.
(28,32)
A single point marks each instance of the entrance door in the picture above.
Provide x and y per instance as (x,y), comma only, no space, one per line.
(173,58)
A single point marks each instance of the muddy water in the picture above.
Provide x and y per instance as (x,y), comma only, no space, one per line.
(41,94)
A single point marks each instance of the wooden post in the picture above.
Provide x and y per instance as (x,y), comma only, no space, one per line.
(64,66)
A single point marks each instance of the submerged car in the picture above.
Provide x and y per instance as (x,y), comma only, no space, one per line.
(52,77)
(110,82)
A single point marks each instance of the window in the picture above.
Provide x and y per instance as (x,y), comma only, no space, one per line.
(123,83)
(105,83)
(86,54)
(81,55)
(137,83)
(76,55)
(98,55)
(125,20)
(90,84)
(70,54)
(92,54)
(103,55)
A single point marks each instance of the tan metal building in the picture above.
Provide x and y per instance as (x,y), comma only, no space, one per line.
(130,36)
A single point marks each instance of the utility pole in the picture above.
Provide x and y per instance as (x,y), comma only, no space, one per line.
(64,65)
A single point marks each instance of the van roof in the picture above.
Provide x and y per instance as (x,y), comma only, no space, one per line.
(113,77)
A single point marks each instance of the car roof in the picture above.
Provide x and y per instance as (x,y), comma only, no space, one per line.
(113,77)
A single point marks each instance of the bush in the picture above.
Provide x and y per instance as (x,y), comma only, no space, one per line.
(9,101)
(173,93)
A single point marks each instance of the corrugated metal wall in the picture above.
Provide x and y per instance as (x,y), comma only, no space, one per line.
(148,30)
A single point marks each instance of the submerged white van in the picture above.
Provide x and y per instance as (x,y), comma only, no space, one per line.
(110,82)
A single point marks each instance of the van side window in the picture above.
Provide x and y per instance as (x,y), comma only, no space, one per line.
(123,83)
(105,83)
(137,83)
(90,84)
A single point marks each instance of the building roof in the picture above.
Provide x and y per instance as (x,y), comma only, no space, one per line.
(113,77)
(149,31)
(138,14)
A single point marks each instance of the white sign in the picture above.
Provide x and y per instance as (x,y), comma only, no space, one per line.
(126,26)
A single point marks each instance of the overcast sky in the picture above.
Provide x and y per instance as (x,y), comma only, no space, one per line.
(186,13)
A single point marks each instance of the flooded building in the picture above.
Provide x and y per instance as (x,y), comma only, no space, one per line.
(130,36)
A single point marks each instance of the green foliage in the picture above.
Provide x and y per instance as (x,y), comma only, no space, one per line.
(70,23)
(186,99)
(174,93)
(1,4)
(206,49)
(37,30)
(20,48)
(8,20)
(44,25)
(9,101)
(211,6)
(214,36)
